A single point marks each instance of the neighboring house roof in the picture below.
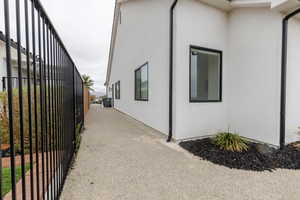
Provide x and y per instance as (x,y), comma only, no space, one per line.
(13,43)
(284,6)
(15,46)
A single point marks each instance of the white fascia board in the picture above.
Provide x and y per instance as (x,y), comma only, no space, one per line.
(229,5)
(112,41)
(122,1)
(251,3)
(277,3)
(221,4)
(285,6)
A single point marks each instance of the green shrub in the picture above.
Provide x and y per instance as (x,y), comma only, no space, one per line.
(230,142)
(4,119)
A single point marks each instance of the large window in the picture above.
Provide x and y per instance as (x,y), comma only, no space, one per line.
(205,75)
(118,90)
(141,83)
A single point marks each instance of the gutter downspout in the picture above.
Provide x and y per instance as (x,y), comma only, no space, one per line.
(171,71)
(283,75)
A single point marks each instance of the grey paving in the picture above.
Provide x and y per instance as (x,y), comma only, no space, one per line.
(121,159)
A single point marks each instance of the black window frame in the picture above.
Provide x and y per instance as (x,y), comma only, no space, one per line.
(135,83)
(220,74)
(118,90)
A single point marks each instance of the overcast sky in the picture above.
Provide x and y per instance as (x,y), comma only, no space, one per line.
(85,28)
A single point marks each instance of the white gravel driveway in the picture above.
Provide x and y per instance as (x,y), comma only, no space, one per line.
(121,159)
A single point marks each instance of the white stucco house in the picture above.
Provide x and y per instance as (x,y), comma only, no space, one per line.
(193,68)
(14,62)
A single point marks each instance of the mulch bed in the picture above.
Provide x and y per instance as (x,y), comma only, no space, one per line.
(288,158)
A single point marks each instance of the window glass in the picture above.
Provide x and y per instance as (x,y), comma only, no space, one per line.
(138,84)
(144,82)
(118,90)
(141,83)
(205,77)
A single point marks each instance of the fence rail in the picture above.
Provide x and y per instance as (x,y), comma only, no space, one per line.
(41,117)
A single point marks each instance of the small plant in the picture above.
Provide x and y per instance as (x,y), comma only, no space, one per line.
(78,137)
(230,142)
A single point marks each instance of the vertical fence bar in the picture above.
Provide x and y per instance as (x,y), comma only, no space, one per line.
(55,116)
(46,70)
(10,98)
(51,114)
(20,89)
(36,122)
(41,76)
(29,96)
(61,113)
(57,122)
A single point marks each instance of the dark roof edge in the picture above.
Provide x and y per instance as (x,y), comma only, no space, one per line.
(13,43)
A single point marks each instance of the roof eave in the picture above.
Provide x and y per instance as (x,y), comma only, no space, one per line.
(112,42)
(286,6)
(283,6)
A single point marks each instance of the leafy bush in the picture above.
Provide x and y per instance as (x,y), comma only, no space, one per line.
(4,119)
(36,125)
(230,142)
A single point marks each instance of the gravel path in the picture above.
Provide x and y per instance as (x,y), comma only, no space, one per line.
(121,159)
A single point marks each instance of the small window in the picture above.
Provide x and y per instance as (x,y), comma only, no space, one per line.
(141,83)
(118,87)
(205,75)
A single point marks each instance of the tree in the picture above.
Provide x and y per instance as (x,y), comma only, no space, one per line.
(88,82)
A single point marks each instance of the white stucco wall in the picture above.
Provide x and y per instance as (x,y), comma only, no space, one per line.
(2,63)
(200,25)
(143,37)
(14,68)
(254,73)
(250,39)
(293,83)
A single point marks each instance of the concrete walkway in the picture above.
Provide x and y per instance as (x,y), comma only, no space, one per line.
(121,159)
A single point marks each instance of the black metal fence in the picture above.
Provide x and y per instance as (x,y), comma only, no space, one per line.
(41,117)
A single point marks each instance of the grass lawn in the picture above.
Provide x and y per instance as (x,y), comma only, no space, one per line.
(6,178)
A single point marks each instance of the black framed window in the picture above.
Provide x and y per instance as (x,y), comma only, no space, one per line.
(118,90)
(205,75)
(141,83)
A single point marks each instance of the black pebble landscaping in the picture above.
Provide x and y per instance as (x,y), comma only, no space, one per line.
(288,158)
